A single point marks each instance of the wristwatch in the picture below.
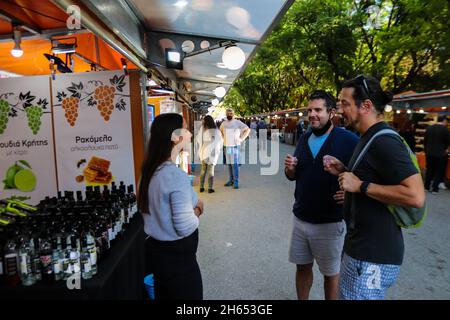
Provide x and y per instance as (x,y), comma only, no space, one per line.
(363,187)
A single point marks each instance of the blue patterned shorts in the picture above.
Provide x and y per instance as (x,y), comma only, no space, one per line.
(361,280)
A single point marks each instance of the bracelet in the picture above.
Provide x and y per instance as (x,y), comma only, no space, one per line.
(364,186)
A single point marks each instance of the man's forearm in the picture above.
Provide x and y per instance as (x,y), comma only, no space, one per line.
(245,134)
(400,195)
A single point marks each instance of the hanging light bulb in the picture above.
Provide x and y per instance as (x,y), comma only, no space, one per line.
(233,58)
(300,114)
(220,92)
(409,111)
(388,108)
(17,51)
(398,111)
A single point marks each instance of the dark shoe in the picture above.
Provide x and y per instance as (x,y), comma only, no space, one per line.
(210,190)
(202,189)
(236,185)
(228,184)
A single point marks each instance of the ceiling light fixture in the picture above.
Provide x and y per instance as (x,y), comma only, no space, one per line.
(233,57)
(220,92)
(17,51)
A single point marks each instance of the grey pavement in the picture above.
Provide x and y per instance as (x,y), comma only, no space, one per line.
(245,233)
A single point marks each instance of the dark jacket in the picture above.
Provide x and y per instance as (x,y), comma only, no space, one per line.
(315,188)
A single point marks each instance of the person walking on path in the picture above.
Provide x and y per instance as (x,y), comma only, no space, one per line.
(436,143)
(319,230)
(234,132)
(262,139)
(170,210)
(386,175)
(209,141)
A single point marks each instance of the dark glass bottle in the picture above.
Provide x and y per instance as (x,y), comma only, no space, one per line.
(46,255)
(11,254)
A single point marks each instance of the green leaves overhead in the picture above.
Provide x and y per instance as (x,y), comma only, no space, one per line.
(321,43)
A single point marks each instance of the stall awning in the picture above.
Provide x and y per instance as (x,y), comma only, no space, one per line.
(412,100)
(39,22)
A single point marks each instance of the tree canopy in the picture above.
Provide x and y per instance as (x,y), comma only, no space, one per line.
(321,43)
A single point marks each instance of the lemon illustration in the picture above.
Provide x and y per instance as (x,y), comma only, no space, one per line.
(25,180)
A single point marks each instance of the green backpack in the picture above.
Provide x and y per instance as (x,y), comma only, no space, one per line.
(405,217)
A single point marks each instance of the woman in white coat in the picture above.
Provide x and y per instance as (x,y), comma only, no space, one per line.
(209,141)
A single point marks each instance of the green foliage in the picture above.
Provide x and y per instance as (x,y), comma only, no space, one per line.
(321,43)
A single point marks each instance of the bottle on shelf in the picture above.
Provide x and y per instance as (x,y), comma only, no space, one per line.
(25,262)
(11,254)
(46,255)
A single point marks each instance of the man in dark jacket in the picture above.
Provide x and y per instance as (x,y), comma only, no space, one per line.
(437,141)
(319,229)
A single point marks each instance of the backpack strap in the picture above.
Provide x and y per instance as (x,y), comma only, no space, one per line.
(366,147)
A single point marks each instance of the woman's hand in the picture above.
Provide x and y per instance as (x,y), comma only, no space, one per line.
(198,210)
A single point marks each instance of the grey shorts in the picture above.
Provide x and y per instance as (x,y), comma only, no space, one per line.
(320,242)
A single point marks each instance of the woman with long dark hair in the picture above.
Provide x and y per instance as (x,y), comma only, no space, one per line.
(170,209)
(210,141)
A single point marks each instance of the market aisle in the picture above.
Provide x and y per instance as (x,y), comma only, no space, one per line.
(244,236)
(245,233)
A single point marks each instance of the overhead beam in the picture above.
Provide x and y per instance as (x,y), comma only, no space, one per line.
(14,20)
(44,34)
(208,37)
(219,81)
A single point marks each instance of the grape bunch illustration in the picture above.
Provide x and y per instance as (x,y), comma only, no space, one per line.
(4,111)
(105,97)
(70,106)
(34,114)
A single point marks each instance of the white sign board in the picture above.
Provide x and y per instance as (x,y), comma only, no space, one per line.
(93,135)
(27,162)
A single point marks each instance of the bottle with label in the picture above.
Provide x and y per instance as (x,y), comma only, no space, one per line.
(90,248)
(11,254)
(35,258)
(65,259)
(46,259)
(25,261)
(86,269)
(132,200)
(57,259)
(74,258)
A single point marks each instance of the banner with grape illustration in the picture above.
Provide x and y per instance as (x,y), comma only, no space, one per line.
(27,163)
(93,135)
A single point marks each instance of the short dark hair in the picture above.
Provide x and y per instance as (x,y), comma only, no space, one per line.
(330,100)
(367,87)
(442,118)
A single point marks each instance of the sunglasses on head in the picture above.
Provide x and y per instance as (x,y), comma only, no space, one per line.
(362,80)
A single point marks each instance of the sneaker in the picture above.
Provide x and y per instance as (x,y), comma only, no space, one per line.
(202,189)
(434,192)
(442,186)
(236,186)
(210,190)
(228,184)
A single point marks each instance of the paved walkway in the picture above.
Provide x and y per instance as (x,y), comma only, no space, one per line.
(245,233)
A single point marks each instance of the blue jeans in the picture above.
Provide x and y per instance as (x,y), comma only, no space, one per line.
(232,157)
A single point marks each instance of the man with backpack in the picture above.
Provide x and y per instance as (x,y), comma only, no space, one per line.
(318,228)
(383,178)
